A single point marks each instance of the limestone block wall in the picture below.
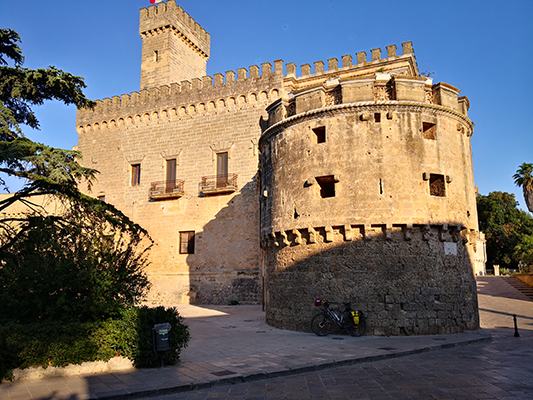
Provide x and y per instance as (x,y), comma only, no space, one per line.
(381,164)
(368,196)
(191,126)
(407,280)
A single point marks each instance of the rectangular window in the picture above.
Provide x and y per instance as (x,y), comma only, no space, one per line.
(429,130)
(377,117)
(101,197)
(135,174)
(170,175)
(187,242)
(437,187)
(222,169)
(327,186)
(320,134)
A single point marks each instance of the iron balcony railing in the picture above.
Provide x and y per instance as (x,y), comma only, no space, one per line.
(166,189)
(219,183)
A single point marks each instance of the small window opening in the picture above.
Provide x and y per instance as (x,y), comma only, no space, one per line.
(437,186)
(320,134)
(101,197)
(377,117)
(156,56)
(135,174)
(429,131)
(296,215)
(327,186)
(187,242)
(380,187)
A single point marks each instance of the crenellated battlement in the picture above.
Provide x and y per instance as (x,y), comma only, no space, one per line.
(249,81)
(404,64)
(169,15)
(222,91)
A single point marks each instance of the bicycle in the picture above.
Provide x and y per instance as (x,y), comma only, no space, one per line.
(353,322)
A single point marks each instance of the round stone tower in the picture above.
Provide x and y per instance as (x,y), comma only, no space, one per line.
(367,195)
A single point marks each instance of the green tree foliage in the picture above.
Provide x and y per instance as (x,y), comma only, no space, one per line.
(71,268)
(524,179)
(504,226)
(82,264)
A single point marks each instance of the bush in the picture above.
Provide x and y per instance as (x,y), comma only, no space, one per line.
(132,335)
(52,343)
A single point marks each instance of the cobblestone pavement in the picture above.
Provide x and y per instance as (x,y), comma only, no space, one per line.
(501,369)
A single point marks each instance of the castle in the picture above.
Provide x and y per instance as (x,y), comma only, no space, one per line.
(352,182)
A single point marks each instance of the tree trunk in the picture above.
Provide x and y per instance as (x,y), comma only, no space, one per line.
(528,197)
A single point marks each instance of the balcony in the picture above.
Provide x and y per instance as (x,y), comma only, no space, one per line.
(166,189)
(218,184)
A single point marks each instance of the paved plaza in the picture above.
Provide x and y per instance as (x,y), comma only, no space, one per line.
(233,354)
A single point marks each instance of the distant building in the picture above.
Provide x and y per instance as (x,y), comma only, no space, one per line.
(364,191)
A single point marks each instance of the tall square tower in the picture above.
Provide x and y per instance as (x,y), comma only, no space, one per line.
(174,48)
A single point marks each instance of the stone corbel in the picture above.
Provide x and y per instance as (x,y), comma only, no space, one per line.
(456,233)
(312,235)
(367,232)
(285,239)
(348,233)
(426,232)
(442,232)
(408,231)
(297,236)
(329,234)
(388,232)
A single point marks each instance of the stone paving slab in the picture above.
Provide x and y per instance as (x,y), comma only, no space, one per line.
(233,344)
(496,370)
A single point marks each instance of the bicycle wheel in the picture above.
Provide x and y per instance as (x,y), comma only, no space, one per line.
(357,330)
(321,324)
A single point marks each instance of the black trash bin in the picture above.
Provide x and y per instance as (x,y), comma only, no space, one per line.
(161,334)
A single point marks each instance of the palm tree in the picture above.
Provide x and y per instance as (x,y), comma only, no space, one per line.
(524,179)
(524,251)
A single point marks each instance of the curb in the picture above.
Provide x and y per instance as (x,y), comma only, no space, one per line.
(239,378)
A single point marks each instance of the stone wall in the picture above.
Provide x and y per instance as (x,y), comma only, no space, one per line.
(381,170)
(527,278)
(192,128)
(368,196)
(417,284)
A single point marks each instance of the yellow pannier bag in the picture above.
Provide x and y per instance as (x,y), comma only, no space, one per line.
(355,316)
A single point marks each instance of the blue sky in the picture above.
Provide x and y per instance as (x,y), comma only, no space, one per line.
(484,48)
